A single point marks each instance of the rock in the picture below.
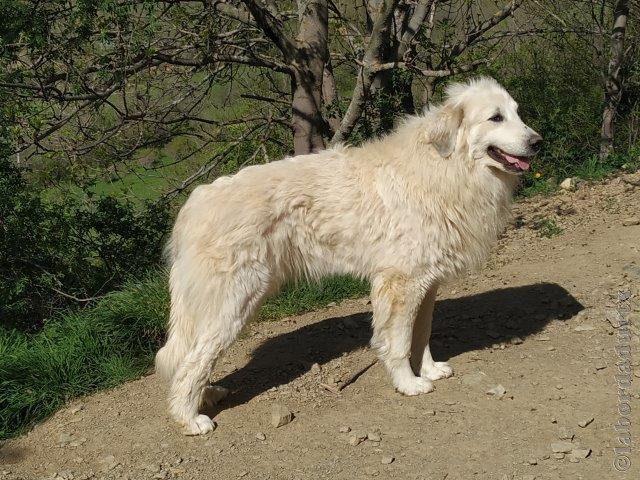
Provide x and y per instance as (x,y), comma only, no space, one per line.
(532,461)
(624,295)
(331,304)
(356,438)
(561,447)
(316,368)
(280,415)
(628,222)
(261,436)
(573,459)
(516,341)
(108,462)
(64,439)
(600,365)
(558,456)
(387,460)
(350,323)
(568,184)
(565,433)
(374,436)
(78,442)
(498,391)
(632,270)
(345,429)
(585,423)
(584,328)
(614,317)
(473,378)
(581,452)
(76,409)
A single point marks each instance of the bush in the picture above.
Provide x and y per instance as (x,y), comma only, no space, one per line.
(113,341)
(54,252)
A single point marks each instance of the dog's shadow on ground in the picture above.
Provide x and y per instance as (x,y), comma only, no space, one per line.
(460,325)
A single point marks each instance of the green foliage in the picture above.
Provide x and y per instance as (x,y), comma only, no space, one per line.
(115,340)
(80,352)
(304,297)
(547,227)
(65,247)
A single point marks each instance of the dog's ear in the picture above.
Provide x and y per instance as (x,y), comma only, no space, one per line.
(444,124)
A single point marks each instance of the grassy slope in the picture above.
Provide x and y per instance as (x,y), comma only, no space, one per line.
(111,342)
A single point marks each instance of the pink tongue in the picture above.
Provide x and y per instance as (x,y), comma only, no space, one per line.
(519,161)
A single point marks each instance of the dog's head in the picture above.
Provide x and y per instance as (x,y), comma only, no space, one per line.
(481,117)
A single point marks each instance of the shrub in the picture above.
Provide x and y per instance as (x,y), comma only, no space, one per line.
(53,252)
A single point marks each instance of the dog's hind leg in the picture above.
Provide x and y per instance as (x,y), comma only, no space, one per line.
(421,359)
(395,300)
(216,330)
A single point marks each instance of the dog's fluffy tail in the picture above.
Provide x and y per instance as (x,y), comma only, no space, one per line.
(179,340)
(180,337)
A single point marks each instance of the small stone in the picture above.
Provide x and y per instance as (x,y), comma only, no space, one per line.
(614,317)
(473,378)
(374,436)
(354,441)
(584,328)
(243,474)
(280,415)
(516,341)
(558,456)
(498,391)
(152,467)
(108,462)
(64,439)
(561,447)
(585,423)
(331,304)
(76,409)
(316,368)
(78,442)
(581,452)
(261,436)
(532,461)
(624,295)
(600,365)
(573,459)
(345,429)
(628,222)
(565,433)
(387,460)
(568,184)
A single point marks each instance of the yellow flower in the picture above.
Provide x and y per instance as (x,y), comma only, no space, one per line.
(537,175)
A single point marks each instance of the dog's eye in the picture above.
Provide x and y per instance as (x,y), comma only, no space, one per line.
(497,118)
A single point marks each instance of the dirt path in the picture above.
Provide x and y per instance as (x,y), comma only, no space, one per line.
(534,321)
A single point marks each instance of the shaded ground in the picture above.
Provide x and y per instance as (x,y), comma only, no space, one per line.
(533,321)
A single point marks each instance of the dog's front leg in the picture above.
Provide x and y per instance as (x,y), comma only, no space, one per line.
(421,359)
(396,299)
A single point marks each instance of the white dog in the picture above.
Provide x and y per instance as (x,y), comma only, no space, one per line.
(408,212)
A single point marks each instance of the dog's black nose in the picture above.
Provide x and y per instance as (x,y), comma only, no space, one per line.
(535,141)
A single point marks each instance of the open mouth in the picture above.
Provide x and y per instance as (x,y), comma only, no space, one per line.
(512,163)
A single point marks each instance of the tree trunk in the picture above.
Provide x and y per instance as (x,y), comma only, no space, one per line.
(613,80)
(312,54)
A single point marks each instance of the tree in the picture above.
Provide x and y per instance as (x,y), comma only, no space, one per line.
(105,80)
(613,84)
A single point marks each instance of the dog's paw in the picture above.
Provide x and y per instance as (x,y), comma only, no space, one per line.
(415,386)
(200,425)
(213,394)
(436,371)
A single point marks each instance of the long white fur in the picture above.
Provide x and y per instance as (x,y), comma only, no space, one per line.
(408,211)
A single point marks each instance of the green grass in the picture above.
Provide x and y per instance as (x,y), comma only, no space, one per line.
(112,342)
(547,227)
